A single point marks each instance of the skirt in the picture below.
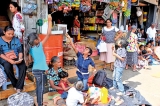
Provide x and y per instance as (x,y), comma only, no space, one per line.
(132,58)
(107,56)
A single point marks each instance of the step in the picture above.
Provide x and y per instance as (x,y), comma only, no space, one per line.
(4,23)
(3,18)
(30,86)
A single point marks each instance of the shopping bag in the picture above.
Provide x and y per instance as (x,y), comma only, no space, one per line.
(75,31)
(102,47)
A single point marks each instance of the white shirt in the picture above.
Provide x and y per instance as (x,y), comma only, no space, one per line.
(151,32)
(109,29)
(74,97)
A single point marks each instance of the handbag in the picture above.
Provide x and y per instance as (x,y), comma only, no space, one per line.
(102,46)
(75,30)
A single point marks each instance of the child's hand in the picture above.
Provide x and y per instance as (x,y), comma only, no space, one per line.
(67,35)
(113,48)
(49,17)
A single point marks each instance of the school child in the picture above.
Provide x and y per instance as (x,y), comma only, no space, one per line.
(83,63)
(119,65)
(75,95)
(64,84)
(35,51)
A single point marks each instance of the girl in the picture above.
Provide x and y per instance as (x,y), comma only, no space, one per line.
(119,65)
(10,54)
(83,63)
(17,20)
(35,50)
(64,84)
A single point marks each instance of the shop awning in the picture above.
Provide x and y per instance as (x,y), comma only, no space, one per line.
(155,2)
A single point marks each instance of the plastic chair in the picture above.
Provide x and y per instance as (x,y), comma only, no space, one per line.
(4,86)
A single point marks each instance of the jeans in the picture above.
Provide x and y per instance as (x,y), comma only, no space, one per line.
(85,83)
(41,79)
(64,95)
(117,81)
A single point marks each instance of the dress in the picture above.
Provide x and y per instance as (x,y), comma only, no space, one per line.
(18,25)
(132,51)
(110,36)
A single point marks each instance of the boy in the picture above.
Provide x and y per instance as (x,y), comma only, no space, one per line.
(83,63)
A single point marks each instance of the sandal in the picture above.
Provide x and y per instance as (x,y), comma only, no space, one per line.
(119,102)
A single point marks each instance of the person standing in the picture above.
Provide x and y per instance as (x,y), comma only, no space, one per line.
(76,27)
(151,33)
(17,21)
(132,49)
(108,35)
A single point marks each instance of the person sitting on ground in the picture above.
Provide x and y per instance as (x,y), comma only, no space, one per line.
(64,84)
(75,95)
(83,63)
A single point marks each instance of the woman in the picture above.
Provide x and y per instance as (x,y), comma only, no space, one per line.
(76,27)
(17,20)
(53,77)
(132,49)
(10,54)
(109,33)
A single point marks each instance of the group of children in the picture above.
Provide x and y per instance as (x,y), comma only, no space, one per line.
(71,92)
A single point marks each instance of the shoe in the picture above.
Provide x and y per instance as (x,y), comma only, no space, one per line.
(119,102)
(120,93)
(112,88)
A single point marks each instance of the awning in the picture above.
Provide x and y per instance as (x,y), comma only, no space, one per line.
(155,2)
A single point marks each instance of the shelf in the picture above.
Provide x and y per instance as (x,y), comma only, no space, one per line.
(91,31)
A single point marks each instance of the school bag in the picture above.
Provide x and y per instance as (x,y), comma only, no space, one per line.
(20,99)
(101,79)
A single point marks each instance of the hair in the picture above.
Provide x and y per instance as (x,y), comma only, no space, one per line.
(122,42)
(15,4)
(151,41)
(79,85)
(148,43)
(54,59)
(63,74)
(141,46)
(30,41)
(90,51)
(7,28)
(144,52)
(109,20)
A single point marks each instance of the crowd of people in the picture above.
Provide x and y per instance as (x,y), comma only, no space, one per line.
(122,52)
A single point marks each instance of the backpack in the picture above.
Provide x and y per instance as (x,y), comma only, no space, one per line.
(101,79)
(20,99)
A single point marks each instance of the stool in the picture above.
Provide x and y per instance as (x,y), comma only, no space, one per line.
(4,86)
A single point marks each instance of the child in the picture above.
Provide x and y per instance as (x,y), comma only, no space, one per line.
(64,84)
(119,65)
(75,95)
(83,63)
(35,51)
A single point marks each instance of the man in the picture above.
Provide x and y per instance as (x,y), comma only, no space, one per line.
(151,33)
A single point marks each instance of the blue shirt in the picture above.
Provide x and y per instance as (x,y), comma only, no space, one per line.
(82,65)
(14,45)
(52,75)
(39,58)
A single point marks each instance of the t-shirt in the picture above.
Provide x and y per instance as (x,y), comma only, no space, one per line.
(74,97)
(132,47)
(65,84)
(151,32)
(107,29)
(39,58)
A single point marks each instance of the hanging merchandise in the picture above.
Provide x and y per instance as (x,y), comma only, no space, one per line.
(85,5)
(127,13)
(114,3)
(75,3)
(114,17)
(94,6)
(107,13)
(105,1)
(133,1)
(30,8)
(64,6)
(145,16)
(139,11)
(125,5)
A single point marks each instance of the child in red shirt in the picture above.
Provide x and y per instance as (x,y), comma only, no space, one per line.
(64,84)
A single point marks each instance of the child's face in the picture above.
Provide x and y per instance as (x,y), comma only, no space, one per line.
(142,48)
(65,79)
(149,45)
(86,52)
(36,41)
